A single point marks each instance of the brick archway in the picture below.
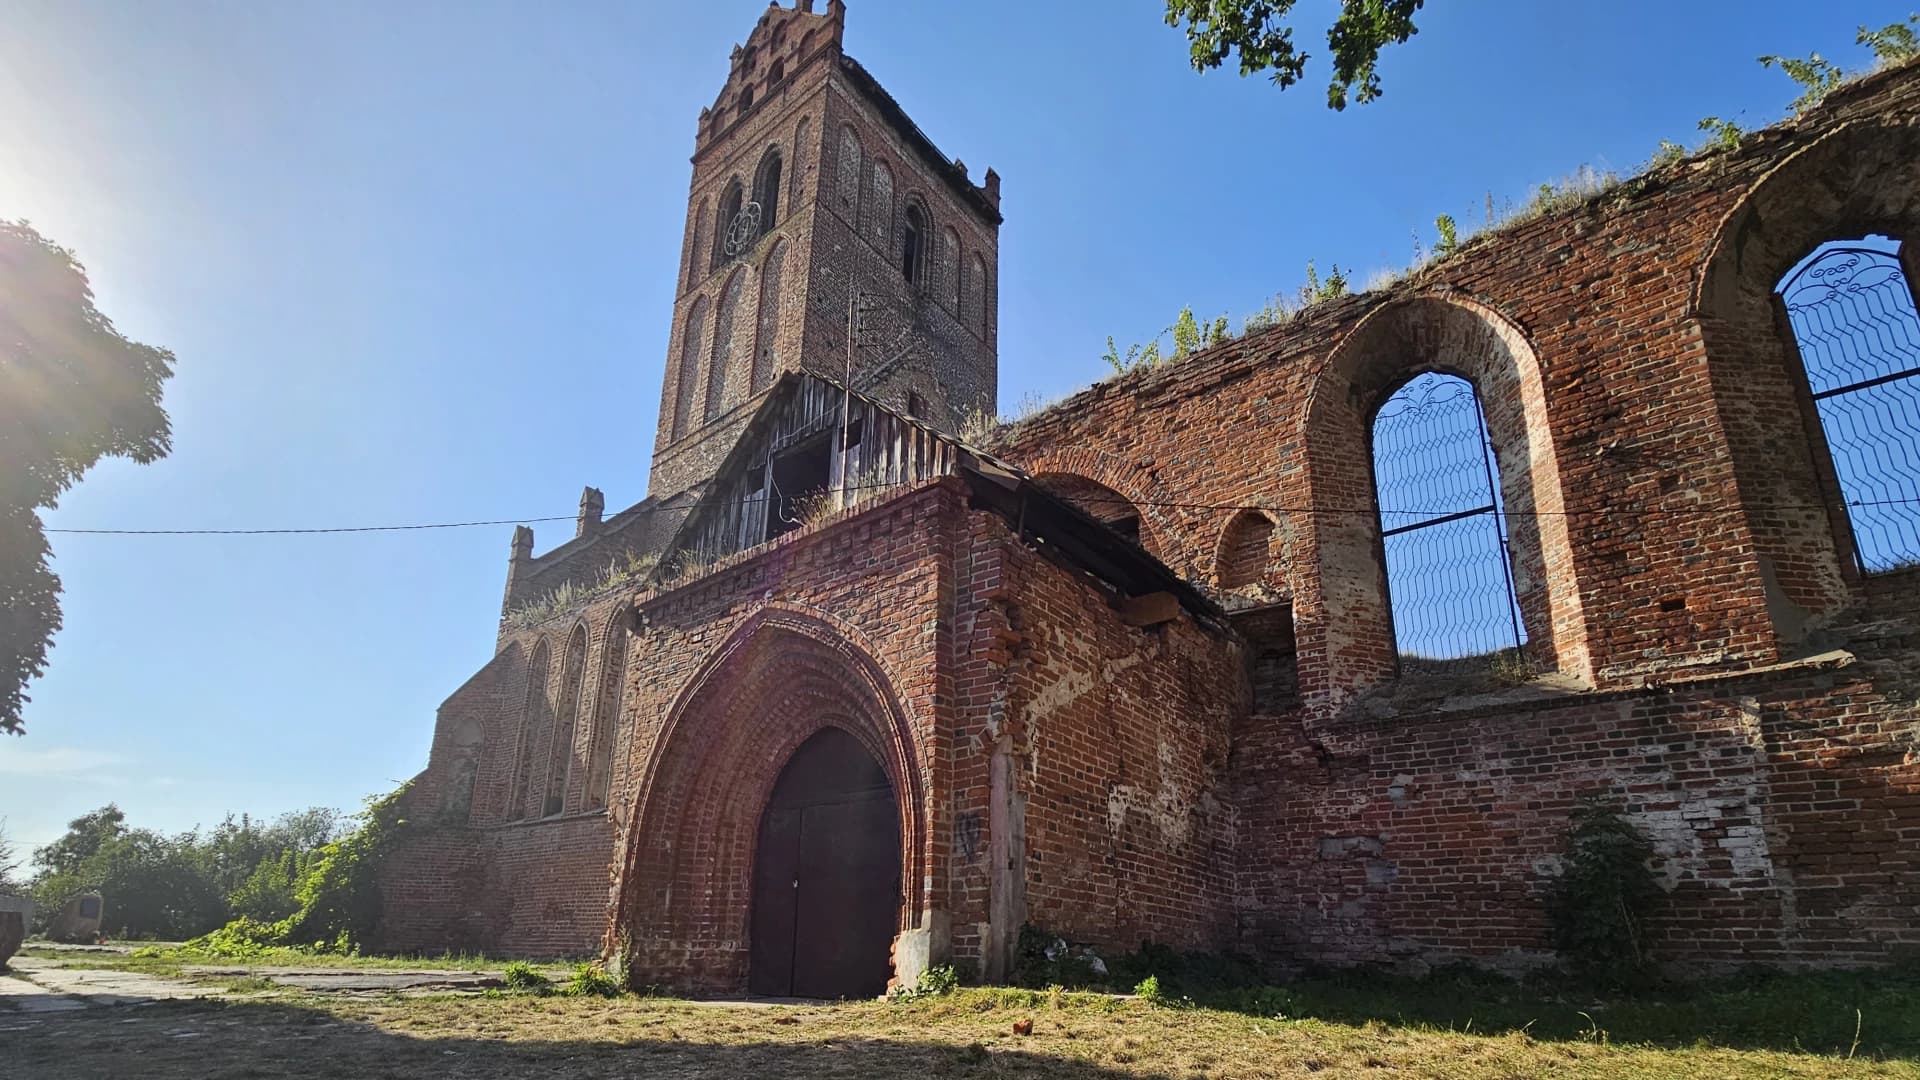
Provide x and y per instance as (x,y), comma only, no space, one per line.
(1860,179)
(1134,485)
(1346,629)
(681,910)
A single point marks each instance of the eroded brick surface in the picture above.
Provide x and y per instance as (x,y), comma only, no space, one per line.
(1712,659)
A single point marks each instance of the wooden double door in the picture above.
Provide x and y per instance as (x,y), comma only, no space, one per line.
(826,888)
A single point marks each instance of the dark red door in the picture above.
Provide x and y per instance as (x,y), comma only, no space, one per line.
(827,877)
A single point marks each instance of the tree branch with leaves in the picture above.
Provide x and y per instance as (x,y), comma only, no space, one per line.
(1260,35)
(72,391)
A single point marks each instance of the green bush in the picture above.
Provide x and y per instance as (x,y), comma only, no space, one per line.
(1598,906)
(525,978)
(933,982)
(589,980)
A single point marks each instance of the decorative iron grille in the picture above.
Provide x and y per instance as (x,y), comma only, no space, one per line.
(743,230)
(1449,568)
(1853,316)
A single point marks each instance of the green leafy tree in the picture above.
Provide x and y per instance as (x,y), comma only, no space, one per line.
(1449,231)
(1598,907)
(84,837)
(72,390)
(1816,75)
(1894,43)
(1260,35)
(1722,134)
(9,862)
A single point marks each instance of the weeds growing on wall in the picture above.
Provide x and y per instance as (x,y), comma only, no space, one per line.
(625,571)
(1598,906)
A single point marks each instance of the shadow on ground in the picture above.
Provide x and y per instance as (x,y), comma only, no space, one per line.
(268,1041)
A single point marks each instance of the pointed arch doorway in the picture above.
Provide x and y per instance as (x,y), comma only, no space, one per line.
(826,878)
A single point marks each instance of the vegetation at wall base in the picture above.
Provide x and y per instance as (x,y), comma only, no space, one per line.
(1598,906)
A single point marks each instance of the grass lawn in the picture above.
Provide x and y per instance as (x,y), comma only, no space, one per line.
(1747,1030)
(175,959)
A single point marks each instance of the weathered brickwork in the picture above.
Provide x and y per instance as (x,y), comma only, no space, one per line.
(851,168)
(1261,776)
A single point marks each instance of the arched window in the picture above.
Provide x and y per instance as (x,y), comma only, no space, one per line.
(976,296)
(913,245)
(880,206)
(766,187)
(777,72)
(950,268)
(800,148)
(1243,550)
(613,683)
(696,247)
(848,171)
(535,721)
(1097,501)
(687,379)
(765,359)
(559,749)
(724,332)
(730,224)
(1444,528)
(1851,306)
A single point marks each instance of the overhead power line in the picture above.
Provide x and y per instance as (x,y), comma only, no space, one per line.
(1604,511)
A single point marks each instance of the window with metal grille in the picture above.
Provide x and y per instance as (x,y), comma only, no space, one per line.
(1851,306)
(1444,529)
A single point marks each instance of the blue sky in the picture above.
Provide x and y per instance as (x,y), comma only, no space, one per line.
(417,260)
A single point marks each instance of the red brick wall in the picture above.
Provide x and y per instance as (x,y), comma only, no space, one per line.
(1718,668)
(1783,807)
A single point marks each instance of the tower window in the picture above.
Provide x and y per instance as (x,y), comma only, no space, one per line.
(766,187)
(730,206)
(913,247)
(777,72)
(916,405)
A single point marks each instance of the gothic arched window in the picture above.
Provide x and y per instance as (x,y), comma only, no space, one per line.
(765,360)
(848,169)
(976,297)
(1444,527)
(880,206)
(950,268)
(687,378)
(613,680)
(728,220)
(566,722)
(799,169)
(766,187)
(913,245)
(1857,330)
(695,245)
(723,343)
(535,720)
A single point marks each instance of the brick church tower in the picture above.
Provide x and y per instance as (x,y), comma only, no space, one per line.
(817,205)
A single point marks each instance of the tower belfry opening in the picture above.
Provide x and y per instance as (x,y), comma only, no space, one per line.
(810,184)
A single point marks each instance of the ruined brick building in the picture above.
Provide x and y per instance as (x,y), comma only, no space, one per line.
(859,688)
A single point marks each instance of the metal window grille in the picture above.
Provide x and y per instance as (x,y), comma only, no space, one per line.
(1449,568)
(1853,317)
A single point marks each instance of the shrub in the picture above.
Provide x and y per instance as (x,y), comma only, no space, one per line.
(1598,907)
(1148,990)
(589,980)
(525,978)
(933,982)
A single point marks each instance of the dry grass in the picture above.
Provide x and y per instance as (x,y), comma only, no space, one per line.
(1080,1037)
